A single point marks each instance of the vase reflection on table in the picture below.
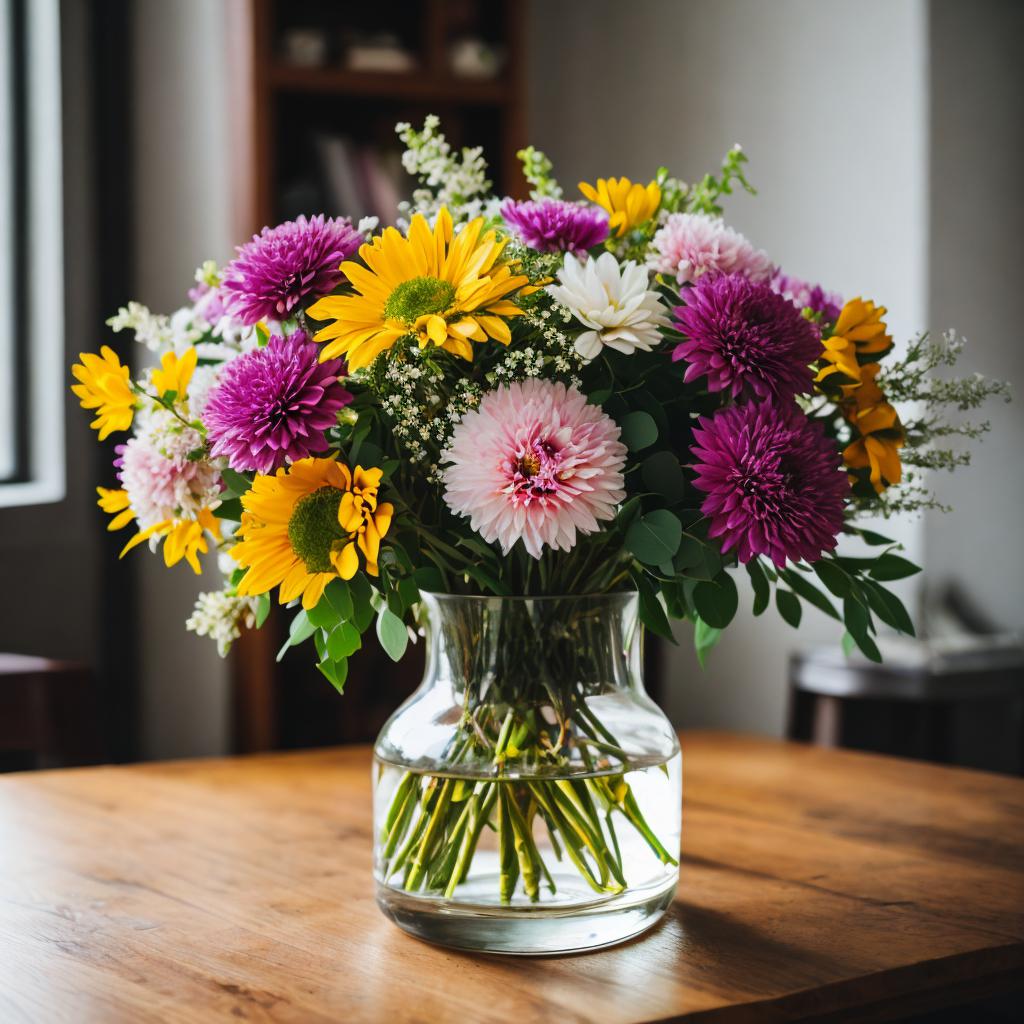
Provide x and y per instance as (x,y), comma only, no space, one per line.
(528,795)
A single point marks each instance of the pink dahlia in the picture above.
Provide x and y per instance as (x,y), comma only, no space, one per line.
(690,245)
(272,405)
(805,295)
(774,482)
(285,267)
(535,462)
(745,339)
(553,225)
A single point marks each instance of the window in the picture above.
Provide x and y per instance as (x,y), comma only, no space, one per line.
(33,374)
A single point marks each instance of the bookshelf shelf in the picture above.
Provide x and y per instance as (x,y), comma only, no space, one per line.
(418,87)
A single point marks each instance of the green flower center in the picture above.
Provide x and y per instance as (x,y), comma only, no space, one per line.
(313,528)
(419,297)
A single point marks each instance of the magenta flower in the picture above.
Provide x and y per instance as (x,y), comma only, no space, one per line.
(272,405)
(535,462)
(805,295)
(745,339)
(774,482)
(553,225)
(285,267)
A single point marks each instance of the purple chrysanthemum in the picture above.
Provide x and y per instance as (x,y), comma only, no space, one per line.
(805,295)
(553,225)
(774,482)
(273,404)
(745,339)
(284,266)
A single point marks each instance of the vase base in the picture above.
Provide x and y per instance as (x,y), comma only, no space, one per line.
(527,931)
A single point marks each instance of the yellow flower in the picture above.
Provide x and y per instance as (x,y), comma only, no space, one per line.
(182,538)
(627,204)
(445,291)
(174,374)
(859,331)
(305,526)
(104,385)
(881,433)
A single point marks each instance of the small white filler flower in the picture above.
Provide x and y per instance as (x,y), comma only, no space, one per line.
(613,300)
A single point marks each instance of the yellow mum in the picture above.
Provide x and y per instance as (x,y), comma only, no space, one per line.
(104,385)
(445,290)
(881,433)
(182,538)
(859,331)
(628,204)
(305,526)
(174,374)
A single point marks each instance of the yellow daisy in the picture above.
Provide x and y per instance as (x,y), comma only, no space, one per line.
(174,374)
(881,433)
(628,204)
(104,385)
(305,526)
(444,290)
(182,538)
(859,331)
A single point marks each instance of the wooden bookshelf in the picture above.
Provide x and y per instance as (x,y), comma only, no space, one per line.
(277,111)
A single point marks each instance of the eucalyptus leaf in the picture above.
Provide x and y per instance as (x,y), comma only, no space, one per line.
(323,614)
(237,483)
(344,641)
(652,614)
(704,639)
(716,600)
(392,634)
(336,672)
(339,596)
(262,609)
(654,538)
(639,430)
(662,474)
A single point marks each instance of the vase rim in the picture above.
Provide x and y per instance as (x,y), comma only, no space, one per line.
(606,595)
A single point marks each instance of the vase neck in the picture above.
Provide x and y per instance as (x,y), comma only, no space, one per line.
(510,650)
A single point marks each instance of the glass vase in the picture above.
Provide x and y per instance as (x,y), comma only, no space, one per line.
(528,795)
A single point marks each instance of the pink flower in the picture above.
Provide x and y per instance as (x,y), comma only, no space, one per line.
(690,245)
(535,462)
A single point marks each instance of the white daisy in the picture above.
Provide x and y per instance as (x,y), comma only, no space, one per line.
(613,301)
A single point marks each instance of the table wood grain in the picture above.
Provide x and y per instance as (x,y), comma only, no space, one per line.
(815,884)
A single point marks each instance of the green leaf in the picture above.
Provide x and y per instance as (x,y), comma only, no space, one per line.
(638,430)
(238,484)
(323,614)
(873,539)
(392,634)
(230,509)
(662,474)
(789,607)
(362,608)
(716,600)
(762,589)
(858,623)
(809,592)
(652,614)
(888,607)
(892,567)
(836,579)
(336,672)
(262,609)
(429,579)
(704,639)
(237,575)
(849,645)
(339,596)
(690,553)
(343,642)
(655,537)
(300,629)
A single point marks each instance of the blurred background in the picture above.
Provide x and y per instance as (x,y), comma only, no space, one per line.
(141,137)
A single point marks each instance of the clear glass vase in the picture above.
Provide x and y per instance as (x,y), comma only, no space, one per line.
(528,795)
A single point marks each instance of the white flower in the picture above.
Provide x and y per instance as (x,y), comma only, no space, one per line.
(613,301)
(220,615)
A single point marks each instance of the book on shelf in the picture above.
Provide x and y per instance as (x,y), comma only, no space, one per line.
(359,179)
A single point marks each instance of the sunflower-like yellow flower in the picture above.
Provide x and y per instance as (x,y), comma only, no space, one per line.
(174,373)
(880,432)
(104,385)
(444,290)
(859,331)
(628,204)
(182,538)
(305,526)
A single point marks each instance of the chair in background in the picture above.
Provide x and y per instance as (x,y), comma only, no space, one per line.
(918,703)
(49,714)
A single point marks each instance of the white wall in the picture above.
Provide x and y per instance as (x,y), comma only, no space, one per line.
(829,99)
(183,213)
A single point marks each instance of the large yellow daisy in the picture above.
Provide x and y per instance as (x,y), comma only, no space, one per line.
(305,526)
(104,384)
(444,290)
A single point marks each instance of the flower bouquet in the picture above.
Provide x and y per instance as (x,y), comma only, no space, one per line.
(525,430)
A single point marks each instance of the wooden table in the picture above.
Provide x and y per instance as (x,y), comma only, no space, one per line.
(815,883)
